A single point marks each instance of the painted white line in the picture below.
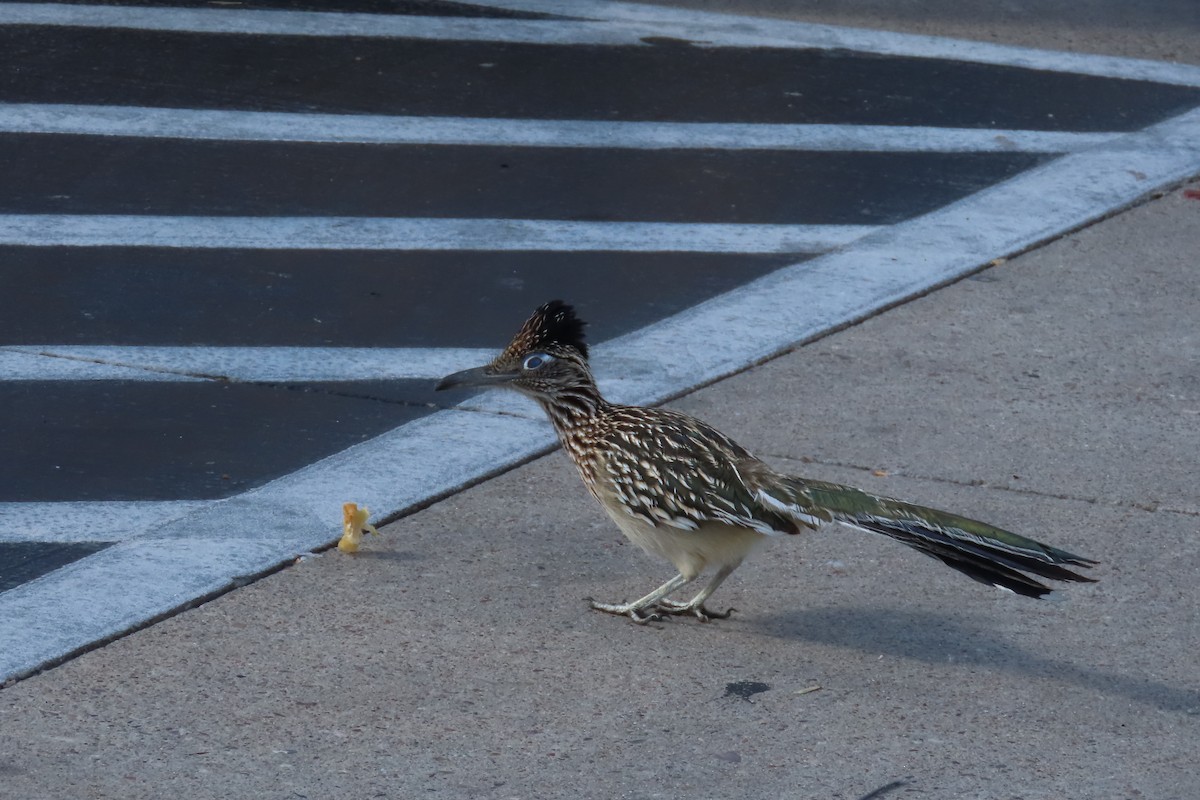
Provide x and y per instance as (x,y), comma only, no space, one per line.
(257,364)
(610,23)
(81,521)
(714,29)
(259,126)
(18,365)
(318,23)
(373,233)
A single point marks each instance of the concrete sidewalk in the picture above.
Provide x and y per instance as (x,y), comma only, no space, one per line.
(1057,394)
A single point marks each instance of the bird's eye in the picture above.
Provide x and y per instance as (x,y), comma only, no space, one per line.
(534,361)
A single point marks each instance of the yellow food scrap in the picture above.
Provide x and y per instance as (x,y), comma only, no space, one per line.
(354,522)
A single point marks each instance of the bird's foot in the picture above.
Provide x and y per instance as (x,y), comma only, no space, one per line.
(630,610)
(675,608)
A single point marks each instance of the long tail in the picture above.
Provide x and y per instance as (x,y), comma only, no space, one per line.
(986,553)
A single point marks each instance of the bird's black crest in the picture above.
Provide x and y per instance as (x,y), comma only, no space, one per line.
(552,325)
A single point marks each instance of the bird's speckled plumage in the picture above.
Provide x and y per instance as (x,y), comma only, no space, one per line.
(681,489)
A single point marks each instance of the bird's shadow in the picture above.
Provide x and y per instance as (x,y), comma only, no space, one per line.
(937,639)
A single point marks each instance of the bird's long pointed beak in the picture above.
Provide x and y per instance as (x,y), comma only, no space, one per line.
(478,376)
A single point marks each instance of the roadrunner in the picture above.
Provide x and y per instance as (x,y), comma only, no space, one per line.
(684,491)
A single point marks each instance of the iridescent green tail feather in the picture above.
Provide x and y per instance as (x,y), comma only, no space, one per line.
(984,552)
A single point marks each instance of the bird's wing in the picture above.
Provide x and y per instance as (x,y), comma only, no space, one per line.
(683,473)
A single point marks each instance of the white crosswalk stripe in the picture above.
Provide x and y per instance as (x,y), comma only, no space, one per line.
(266,126)
(373,233)
(257,364)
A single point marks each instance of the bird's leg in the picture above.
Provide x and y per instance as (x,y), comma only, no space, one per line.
(632,610)
(695,606)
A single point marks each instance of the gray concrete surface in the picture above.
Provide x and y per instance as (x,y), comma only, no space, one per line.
(1057,393)
(1162,30)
